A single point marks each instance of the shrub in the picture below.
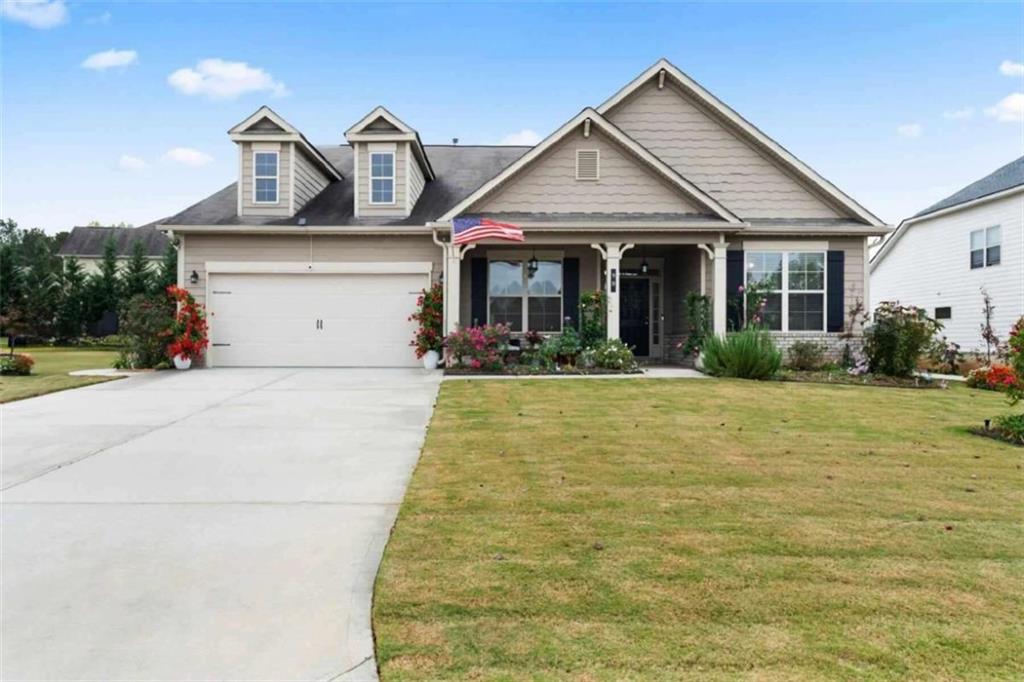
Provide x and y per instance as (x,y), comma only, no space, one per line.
(144,323)
(1012,427)
(747,354)
(19,364)
(188,331)
(897,338)
(429,335)
(698,317)
(806,356)
(614,354)
(992,378)
(1015,355)
(569,345)
(946,355)
(478,347)
(593,311)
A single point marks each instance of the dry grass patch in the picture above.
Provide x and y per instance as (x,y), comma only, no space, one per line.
(663,530)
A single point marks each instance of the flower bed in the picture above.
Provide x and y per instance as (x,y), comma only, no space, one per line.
(840,376)
(533,370)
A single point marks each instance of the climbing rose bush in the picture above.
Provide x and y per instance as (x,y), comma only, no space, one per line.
(430,306)
(188,332)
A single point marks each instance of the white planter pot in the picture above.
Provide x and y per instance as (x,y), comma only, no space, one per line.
(430,359)
(698,363)
(181,362)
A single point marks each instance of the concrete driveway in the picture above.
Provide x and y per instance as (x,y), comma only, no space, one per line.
(216,524)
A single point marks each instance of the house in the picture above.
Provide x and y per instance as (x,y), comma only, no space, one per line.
(315,255)
(944,257)
(86,244)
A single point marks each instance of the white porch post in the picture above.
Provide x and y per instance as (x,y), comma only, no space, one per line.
(612,253)
(718,299)
(452,286)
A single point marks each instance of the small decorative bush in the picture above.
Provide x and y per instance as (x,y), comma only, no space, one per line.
(614,354)
(593,312)
(144,324)
(806,356)
(569,345)
(429,335)
(188,332)
(478,347)
(897,338)
(698,318)
(992,378)
(946,355)
(747,354)
(18,364)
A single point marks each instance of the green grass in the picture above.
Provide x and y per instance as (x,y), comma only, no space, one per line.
(664,530)
(50,372)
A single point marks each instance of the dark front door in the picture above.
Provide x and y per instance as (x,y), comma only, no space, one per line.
(634,315)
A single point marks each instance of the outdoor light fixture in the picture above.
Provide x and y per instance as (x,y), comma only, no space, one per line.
(194,277)
(532,266)
(643,266)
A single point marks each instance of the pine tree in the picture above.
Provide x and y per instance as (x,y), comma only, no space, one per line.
(104,286)
(137,278)
(72,312)
(41,284)
(167,274)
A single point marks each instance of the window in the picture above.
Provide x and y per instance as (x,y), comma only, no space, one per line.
(944,313)
(382,177)
(525,302)
(264,177)
(985,245)
(795,285)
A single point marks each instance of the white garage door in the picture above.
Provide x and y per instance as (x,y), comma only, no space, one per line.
(312,319)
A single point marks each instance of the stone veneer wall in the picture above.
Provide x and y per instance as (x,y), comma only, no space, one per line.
(834,344)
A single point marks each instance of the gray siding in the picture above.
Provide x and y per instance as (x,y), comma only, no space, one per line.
(705,150)
(363,190)
(416,180)
(549,184)
(309,180)
(199,249)
(284,187)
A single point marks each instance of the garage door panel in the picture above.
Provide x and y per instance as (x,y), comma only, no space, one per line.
(271,319)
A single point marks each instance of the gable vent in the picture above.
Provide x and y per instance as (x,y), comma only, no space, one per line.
(588,164)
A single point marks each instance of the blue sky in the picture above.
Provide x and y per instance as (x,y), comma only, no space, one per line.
(119,111)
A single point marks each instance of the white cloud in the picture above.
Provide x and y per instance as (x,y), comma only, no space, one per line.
(35,13)
(131,163)
(958,114)
(910,130)
(523,137)
(1008,68)
(219,79)
(100,19)
(187,156)
(110,59)
(1009,109)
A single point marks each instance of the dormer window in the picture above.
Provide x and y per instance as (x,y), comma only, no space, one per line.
(265,177)
(382,177)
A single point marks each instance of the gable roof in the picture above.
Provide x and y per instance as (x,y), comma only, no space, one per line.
(1002,181)
(586,117)
(365,130)
(665,69)
(89,242)
(254,128)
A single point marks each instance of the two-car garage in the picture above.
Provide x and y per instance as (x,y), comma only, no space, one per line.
(322,315)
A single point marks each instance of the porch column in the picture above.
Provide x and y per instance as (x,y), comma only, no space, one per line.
(718,297)
(612,253)
(452,284)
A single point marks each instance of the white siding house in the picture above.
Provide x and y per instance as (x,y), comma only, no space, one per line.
(942,258)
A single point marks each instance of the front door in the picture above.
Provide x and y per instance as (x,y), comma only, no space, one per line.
(635,317)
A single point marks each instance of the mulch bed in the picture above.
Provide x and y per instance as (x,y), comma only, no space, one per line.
(844,378)
(527,371)
(996,433)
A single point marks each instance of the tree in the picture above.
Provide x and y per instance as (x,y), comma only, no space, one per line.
(104,286)
(11,280)
(167,273)
(41,287)
(137,277)
(72,311)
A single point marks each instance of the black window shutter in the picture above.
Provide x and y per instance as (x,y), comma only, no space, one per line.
(733,282)
(835,291)
(478,292)
(571,291)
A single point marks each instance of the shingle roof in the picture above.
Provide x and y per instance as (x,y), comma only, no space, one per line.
(1010,175)
(89,241)
(459,170)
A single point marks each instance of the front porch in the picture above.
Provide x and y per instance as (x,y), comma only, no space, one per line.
(537,287)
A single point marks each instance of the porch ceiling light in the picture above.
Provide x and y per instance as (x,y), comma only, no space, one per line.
(532,266)
(643,266)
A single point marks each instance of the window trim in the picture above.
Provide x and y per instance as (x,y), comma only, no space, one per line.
(523,257)
(370,153)
(985,247)
(785,291)
(276,177)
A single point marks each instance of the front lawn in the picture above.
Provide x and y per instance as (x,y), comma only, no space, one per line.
(50,372)
(706,529)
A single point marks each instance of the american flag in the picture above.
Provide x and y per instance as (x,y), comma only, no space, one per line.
(472,229)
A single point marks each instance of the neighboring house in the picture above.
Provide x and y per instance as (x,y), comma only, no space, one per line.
(86,244)
(942,258)
(315,256)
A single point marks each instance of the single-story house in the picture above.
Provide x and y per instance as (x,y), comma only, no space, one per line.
(87,244)
(315,254)
(942,258)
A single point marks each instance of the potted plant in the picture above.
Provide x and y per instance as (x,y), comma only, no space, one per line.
(429,338)
(188,331)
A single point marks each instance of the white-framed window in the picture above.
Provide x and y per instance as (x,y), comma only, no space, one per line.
(265,173)
(985,247)
(795,284)
(382,177)
(524,301)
